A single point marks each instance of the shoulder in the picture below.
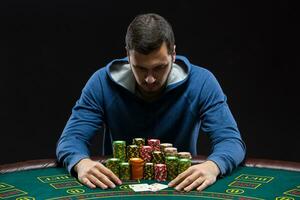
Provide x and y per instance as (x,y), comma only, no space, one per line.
(203,84)
(201,77)
(196,73)
(95,79)
(200,72)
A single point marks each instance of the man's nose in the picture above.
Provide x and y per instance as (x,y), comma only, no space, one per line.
(150,78)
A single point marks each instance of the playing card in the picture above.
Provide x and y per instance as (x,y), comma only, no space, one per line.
(157,186)
(140,187)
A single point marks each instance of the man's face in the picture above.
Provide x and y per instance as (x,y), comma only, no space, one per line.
(151,71)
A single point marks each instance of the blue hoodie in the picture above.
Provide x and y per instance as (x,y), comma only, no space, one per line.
(192,101)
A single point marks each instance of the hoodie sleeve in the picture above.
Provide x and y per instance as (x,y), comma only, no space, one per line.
(86,119)
(228,149)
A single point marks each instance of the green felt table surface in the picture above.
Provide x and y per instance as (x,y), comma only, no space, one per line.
(244,183)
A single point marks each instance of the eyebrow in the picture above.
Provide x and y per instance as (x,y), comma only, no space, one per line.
(155,66)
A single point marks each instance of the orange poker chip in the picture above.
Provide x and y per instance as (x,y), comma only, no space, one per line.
(137,168)
(136,161)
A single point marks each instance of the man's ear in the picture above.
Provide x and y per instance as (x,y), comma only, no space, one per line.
(128,56)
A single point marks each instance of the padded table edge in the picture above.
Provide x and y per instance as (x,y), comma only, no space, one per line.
(250,162)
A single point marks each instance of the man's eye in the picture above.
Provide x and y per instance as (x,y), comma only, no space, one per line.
(161,67)
(141,69)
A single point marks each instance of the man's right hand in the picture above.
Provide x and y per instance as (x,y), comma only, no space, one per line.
(93,174)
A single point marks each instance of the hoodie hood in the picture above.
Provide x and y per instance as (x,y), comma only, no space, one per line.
(120,72)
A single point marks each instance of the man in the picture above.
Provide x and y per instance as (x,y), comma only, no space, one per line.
(152,93)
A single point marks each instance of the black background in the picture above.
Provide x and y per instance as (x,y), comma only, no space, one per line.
(49,49)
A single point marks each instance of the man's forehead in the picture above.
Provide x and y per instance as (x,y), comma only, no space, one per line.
(148,63)
(150,60)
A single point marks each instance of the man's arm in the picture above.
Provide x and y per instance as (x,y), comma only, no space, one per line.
(228,149)
(73,146)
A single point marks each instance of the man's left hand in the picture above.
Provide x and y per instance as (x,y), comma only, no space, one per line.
(197,176)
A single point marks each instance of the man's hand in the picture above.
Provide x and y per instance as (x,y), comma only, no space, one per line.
(93,174)
(197,176)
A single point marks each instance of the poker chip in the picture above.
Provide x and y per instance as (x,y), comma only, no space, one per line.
(172,167)
(146,153)
(154,143)
(137,168)
(148,171)
(158,157)
(165,145)
(138,141)
(160,172)
(119,150)
(125,171)
(170,151)
(186,155)
(132,151)
(113,165)
(183,164)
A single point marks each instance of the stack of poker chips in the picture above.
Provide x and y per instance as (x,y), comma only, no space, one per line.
(172,167)
(125,171)
(119,150)
(154,160)
(158,157)
(184,161)
(132,151)
(114,165)
(139,142)
(146,153)
(160,172)
(155,144)
(183,164)
(148,171)
(137,168)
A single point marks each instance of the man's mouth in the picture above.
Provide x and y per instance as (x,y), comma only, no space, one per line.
(150,86)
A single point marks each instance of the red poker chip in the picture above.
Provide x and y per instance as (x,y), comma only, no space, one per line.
(160,172)
(154,143)
(146,153)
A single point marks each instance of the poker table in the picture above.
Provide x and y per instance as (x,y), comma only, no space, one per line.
(255,179)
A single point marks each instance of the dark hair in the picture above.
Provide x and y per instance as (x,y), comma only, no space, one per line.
(147,32)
